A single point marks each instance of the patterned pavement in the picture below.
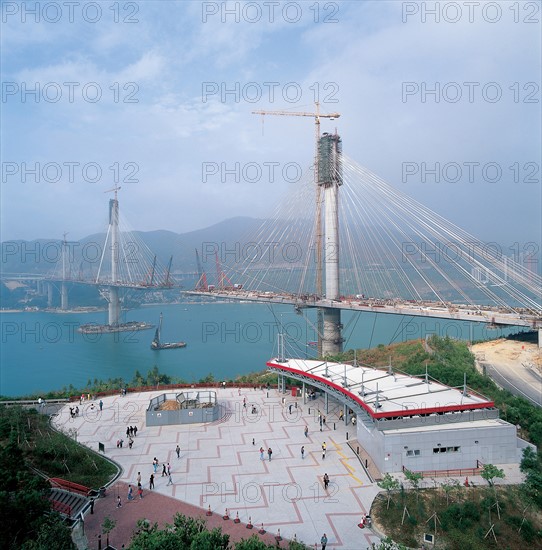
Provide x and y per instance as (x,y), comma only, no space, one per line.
(220,466)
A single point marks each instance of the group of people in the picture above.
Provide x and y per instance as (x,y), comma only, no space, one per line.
(131,431)
(74,411)
(269,453)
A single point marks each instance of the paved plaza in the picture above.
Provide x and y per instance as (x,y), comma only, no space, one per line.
(220,465)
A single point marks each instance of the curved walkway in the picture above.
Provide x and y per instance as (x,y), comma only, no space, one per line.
(220,467)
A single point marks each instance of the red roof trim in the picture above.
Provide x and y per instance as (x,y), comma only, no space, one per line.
(389,414)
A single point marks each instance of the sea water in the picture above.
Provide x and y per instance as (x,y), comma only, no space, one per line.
(43,351)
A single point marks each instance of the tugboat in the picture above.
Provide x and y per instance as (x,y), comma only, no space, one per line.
(157,345)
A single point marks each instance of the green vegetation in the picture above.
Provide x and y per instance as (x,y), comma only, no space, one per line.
(187,533)
(24,508)
(27,442)
(52,453)
(461,517)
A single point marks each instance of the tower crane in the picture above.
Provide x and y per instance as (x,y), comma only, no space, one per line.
(317,116)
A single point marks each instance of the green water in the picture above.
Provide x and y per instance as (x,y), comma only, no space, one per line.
(43,351)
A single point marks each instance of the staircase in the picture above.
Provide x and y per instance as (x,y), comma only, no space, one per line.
(67,503)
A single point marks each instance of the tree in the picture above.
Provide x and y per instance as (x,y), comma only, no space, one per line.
(53,534)
(108,525)
(389,484)
(253,543)
(490,472)
(529,461)
(414,479)
(210,540)
(448,487)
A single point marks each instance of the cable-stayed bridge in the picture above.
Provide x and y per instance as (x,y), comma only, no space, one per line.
(347,240)
(124,261)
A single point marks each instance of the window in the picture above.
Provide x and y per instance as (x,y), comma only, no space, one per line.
(415,452)
(437,450)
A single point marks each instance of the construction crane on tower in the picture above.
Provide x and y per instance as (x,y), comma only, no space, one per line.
(317,116)
(318,222)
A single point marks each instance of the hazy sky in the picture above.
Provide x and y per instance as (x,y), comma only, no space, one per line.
(158,95)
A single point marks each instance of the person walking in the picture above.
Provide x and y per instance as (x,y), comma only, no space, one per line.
(169,481)
(101,405)
(164,471)
(155,464)
(269,452)
(324,450)
(290,408)
(261,453)
(139,478)
(151,482)
(178,451)
(323,541)
(306,431)
(135,431)
(168,469)
(303,451)
(326,481)
(128,432)
(130,493)
(119,502)
(140,490)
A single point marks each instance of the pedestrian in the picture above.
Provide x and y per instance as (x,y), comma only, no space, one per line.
(341,415)
(135,431)
(244,402)
(128,432)
(323,542)
(324,420)
(130,493)
(306,431)
(92,506)
(303,451)
(168,469)
(119,502)
(139,478)
(151,482)
(169,481)
(261,453)
(178,451)
(290,408)
(118,443)
(130,442)
(121,443)
(269,452)
(163,469)
(326,481)
(101,405)
(320,423)
(140,491)
(323,450)
(155,464)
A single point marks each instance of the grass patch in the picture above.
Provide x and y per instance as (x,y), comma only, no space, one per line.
(51,452)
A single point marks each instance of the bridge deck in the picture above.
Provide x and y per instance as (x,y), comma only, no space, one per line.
(473,313)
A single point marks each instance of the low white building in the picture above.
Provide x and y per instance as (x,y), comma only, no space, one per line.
(411,422)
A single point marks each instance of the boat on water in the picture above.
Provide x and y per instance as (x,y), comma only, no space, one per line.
(157,345)
(121,327)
